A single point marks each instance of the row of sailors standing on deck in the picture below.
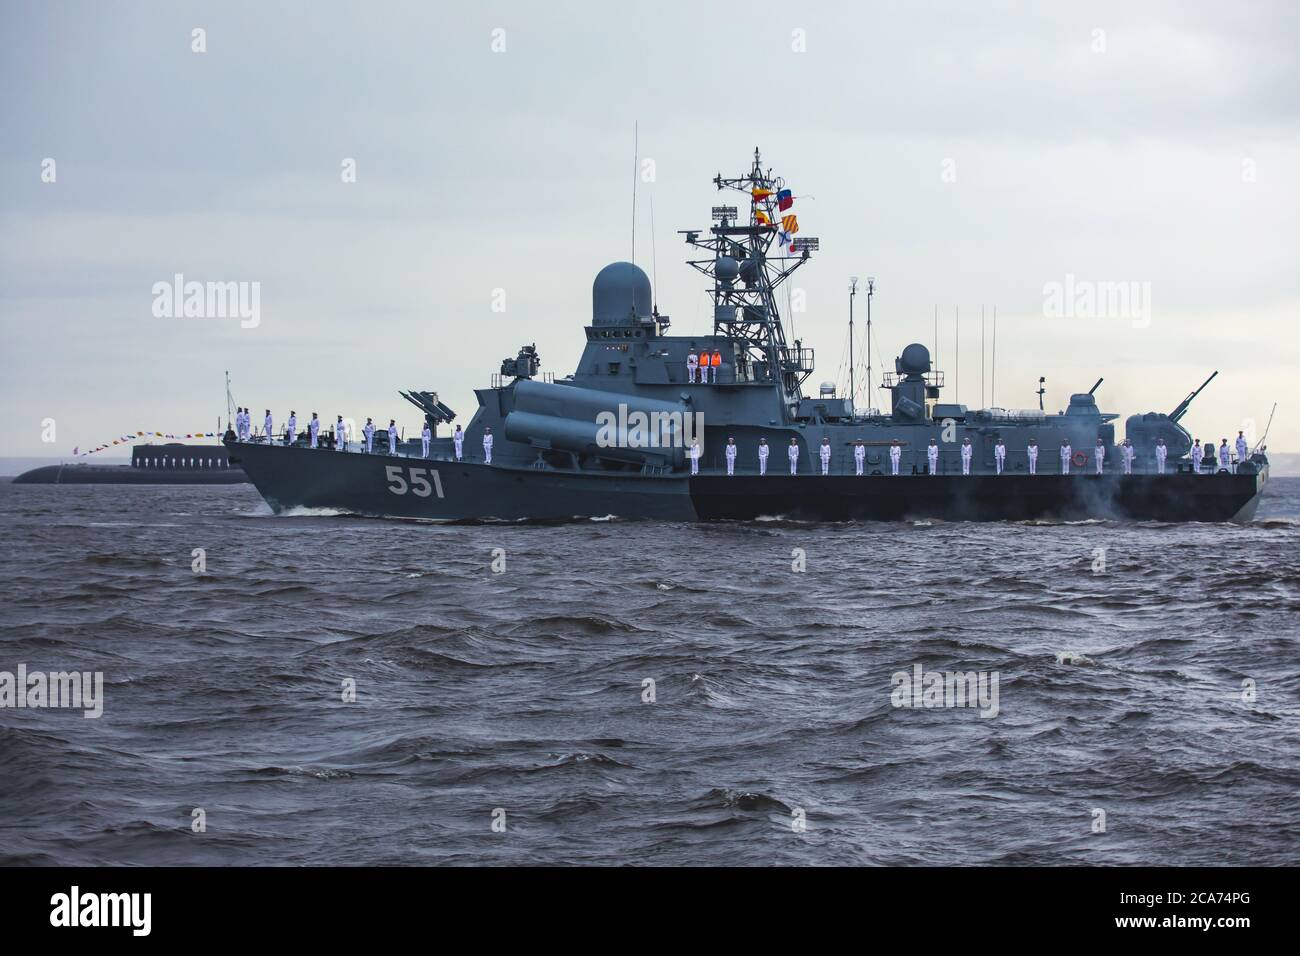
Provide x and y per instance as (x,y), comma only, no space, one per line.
(705,364)
(368,435)
(244,424)
(426,437)
(1067,456)
(1206,452)
(243,431)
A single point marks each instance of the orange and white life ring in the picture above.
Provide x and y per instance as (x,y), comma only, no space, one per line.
(1079,459)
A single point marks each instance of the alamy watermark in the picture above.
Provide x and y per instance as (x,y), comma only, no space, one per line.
(638,429)
(920,688)
(208,300)
(129,910)
(38,689)
(1086,299)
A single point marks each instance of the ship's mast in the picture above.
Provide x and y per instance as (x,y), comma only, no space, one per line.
(871,387)
(853,291)
(746,271)
(230,402)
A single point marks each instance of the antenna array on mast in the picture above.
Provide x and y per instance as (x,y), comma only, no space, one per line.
(746,272)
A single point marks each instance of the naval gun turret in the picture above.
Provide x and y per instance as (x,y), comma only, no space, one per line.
(1083,405)
(524,365)
(1144,430)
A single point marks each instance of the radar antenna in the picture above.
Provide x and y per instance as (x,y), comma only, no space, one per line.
(752,254)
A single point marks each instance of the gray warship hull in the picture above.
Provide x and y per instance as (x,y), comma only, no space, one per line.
(1181,497)
(401,486)
(644,425)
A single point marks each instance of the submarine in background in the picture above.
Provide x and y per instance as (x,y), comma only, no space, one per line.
(617,436)
(173,463)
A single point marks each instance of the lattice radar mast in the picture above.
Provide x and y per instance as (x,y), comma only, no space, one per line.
(752,254)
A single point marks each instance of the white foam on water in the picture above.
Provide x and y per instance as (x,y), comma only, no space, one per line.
(1072,657)
(302,512)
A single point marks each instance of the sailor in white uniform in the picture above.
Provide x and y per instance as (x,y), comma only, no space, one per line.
(967,452)
(368,430)
(932,456)
(425,437)
(340,436)
(270,427)
(692,366)
(239,423)
(458,439)
(762,456)
(1197,455)
(1225,456)
(895,456)
(1127,451)
(313,429)
(1066,452)
(487,445)
(731,456)
(695,456)
(793,452)
(1162,452)
(1000,455)
(825,453)
(859,456)
(293,426)
(392,436)
(1099,456)
(1241,448)
(1032,451)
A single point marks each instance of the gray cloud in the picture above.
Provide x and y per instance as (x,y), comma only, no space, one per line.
(480,171)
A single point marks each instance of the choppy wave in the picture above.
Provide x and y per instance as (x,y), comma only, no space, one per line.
(337,690)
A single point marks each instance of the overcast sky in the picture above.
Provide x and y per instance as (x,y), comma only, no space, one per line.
(964,154)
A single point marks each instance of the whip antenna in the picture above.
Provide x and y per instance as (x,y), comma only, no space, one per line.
(654,260)
(993,372)
(636,157)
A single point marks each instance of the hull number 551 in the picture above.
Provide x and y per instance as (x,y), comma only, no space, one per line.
(414,481)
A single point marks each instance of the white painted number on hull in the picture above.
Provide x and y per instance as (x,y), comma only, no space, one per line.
(418,484)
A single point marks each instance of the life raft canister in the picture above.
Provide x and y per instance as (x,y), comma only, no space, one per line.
(1080,459)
